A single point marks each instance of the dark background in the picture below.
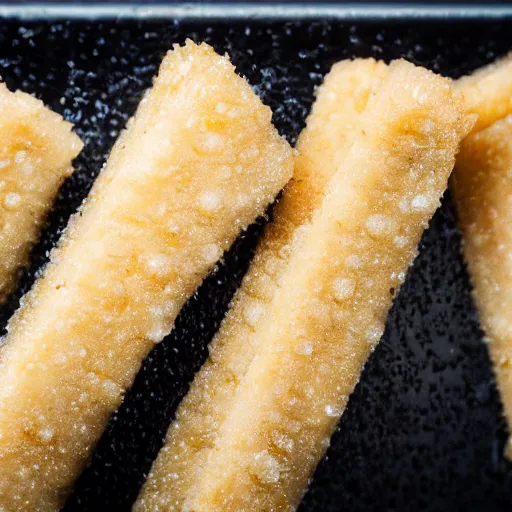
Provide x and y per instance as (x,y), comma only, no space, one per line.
(423,430)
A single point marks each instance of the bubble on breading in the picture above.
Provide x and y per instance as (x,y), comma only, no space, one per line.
(419,96)
(211,253)
(61,358)
(234,112)
(12,200)
(305,348)
(210,201)
(343,288)
(420,202)
(211,142)
(354,261)
(250,153)
(404,205)
(252,312)
(20,156)
(159,264)
(173,226)
(282,441)
(27,168)
(118,288)
(156,334)
(221,108)
(379,225)
(400,241)
(332,411)
(45,434)
(284,251)
(265,468)
(110,387)
(374,333)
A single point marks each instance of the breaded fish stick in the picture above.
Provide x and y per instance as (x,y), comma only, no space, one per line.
(330,131)
(488,92)
(335,295)
(482,186)
(36,150)
(198,162)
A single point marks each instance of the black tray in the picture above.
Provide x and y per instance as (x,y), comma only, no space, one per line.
(424,428)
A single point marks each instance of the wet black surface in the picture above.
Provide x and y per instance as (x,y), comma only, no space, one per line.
(423,430)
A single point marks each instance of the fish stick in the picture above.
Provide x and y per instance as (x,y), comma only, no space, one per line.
(329,133)
(196,165)
(35,157)
(488,92)
(482,187)
(333,300)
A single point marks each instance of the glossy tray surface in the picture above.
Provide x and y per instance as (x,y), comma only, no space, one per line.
(423,430)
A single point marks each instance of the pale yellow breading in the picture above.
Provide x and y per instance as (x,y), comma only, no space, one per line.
(333,299)
(488,92)
(330,131)
(482,187)
(35,157)
(198,162)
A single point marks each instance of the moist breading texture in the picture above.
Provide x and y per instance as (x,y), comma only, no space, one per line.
(488,92)
(335,296)
(197,164)
(35,157)
(482,187)
(329,133)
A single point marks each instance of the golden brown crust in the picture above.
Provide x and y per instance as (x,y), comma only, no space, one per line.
(199,161)
(332,300)
(35,158)
(488,92)
(330,132)
(482,187)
